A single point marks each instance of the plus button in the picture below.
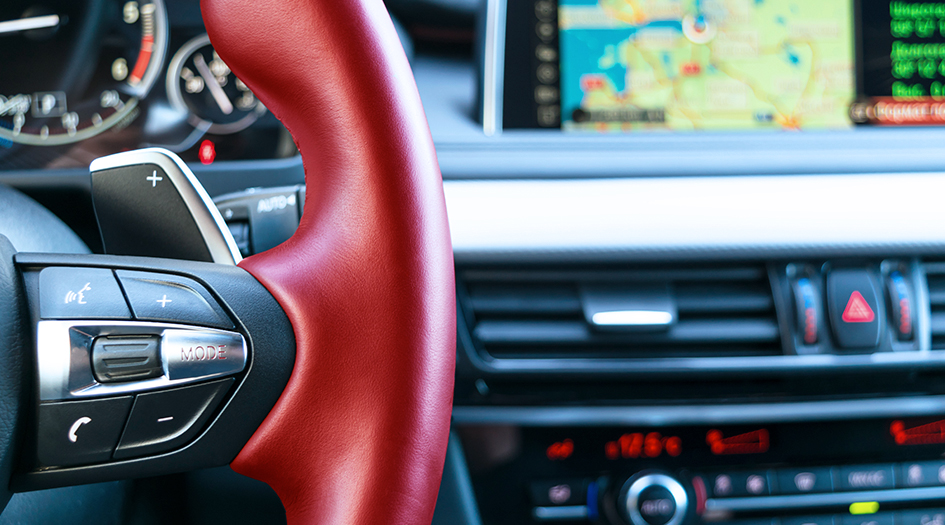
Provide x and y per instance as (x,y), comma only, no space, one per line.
(154,179)
(164,300)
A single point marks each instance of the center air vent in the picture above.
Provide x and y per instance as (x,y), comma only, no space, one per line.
(935,274)
(606,313)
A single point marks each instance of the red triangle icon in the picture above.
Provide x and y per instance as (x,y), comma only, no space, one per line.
(857,310)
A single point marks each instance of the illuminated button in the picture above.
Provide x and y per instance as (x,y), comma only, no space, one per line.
(865,477)
(572,491)
(855,310)
(880,518)
(901,305)
(808,310)
(922,474)
(739,484)
(804,481)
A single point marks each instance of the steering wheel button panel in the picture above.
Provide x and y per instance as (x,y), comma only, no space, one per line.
(80,293)
(855,309)
(162,421)
(80,432)
(165,297)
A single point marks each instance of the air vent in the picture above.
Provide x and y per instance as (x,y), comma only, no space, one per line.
(524,313)
(935,274)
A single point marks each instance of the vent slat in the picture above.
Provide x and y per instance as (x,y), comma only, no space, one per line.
(524,300)
(937,322)
(577,332)
(538,312)
(724,301)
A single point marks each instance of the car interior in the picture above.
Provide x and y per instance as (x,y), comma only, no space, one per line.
(599,262)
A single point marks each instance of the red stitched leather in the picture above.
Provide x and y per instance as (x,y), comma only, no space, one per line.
(359,435)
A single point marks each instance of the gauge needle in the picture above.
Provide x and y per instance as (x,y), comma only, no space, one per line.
(225,105)
(26,24)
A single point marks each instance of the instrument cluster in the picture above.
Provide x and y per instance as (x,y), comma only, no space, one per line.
(83,79)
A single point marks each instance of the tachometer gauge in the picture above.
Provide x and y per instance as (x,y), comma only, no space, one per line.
(201,84)
(72,69)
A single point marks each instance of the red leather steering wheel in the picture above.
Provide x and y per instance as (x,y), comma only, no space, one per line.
(359,435)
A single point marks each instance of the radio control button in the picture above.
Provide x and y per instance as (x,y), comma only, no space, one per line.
(739,484)
(922,474)
(162,421)
(921,517)
(654,499)
(804,481)
(865,477)
(559,492)
(882,518)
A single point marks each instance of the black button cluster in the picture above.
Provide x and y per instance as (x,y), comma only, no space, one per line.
(904,517)
(752,483)
(96,293)
(75,433)
(870,308)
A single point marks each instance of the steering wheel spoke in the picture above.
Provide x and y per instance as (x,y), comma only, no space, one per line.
(145,366)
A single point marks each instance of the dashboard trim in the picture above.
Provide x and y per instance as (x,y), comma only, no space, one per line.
(669,415)
(493,67)
(804,501)
(672,217)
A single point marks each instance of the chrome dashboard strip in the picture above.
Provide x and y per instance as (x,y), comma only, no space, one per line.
(655,415)
(695,217)
(823,500)
(493,67)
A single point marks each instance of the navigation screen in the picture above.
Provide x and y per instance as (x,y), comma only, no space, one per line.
(705,64)
(677,65)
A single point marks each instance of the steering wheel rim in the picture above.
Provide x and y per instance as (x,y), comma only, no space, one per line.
(359,435)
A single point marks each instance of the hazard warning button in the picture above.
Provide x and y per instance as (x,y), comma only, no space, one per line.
(855,310)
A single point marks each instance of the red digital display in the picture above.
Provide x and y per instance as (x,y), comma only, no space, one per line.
(560,450)
(755,442)
(637,445)
(928,434)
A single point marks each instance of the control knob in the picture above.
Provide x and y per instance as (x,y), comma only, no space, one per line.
(653,499)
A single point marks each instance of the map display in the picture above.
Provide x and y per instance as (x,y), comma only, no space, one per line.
(630,65)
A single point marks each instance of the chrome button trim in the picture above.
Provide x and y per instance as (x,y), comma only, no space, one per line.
(188,354)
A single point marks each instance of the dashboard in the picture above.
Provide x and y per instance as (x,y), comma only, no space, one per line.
(83,79)
(699,246)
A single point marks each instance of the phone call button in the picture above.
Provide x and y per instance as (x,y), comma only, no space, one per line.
(80,432)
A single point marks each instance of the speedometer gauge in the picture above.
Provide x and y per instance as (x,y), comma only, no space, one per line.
(201,84)
(72,69)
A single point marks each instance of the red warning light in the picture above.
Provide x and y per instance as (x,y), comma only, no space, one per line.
(637,444)
(857,310)
(690,69)
(560,450)
(929,434)
(207,152)
(755,442)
